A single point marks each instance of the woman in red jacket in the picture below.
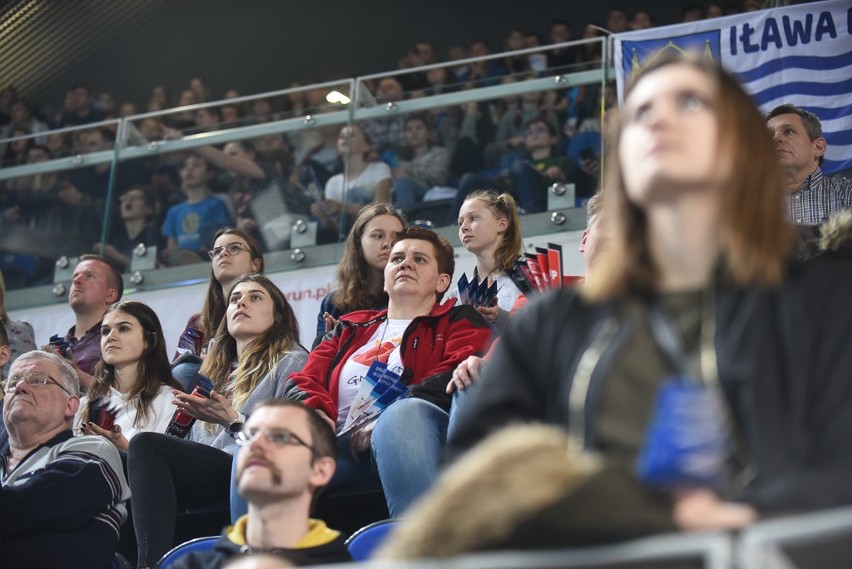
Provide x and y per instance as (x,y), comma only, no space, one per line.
(416,338)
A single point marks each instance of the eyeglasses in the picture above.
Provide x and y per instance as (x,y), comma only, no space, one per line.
(33,379)
(231,248)
(277,438)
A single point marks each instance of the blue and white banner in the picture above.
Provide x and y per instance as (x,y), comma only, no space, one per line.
(799,54)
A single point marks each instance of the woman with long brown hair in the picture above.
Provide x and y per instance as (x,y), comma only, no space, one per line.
(255,348)
(133,379)
(360,272)
(234,254)
(696,289)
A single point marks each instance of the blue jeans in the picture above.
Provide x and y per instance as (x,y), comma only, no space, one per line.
(408,192)
(408,443)
(460,401)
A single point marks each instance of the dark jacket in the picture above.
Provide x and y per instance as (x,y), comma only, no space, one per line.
(784,363)
(432,346)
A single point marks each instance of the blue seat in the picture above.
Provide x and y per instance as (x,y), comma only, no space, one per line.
(363,542)
(197,544)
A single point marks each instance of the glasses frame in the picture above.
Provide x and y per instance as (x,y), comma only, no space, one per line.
(30,379)
(244,438)
(233,249)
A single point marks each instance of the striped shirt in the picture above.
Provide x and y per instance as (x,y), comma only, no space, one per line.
(818,198)
(68,486)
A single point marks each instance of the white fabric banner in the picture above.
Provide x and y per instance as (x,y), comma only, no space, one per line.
(304,289)
(799,54)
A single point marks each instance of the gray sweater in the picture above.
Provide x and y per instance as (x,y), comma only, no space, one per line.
(270,387)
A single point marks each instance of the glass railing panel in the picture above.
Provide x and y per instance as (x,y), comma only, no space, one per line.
(175,188)
(54,195)
(478,120)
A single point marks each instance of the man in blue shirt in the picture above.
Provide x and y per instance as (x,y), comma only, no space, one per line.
(190,225)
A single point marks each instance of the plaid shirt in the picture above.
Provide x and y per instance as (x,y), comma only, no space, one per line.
(818,198)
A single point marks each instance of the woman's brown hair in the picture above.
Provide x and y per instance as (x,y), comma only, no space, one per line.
(353,285)
(214,302)
(756,240)
(153,368)
(503,205)
(260,356)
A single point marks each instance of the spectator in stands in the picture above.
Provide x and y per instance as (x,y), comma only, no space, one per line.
(159,99)
(697,224)
(288,454)
(81,109)
(484,72)
(386,132)
(360,272)
(560,58)
(616,20)
(21,118)
(642,20)
(93,181)
(138,210)
(199,87)
(63,497)
(531,178)
(207,119)
(423,53)
(511,128)
(261,335)
(490,228)
(190,225)
(420,164)
(15,153)
(133,380)
(811,197)
(516,64)
(362,183)
(95,285)
(106,104)
(234,254)
(692,13)
(20,337)
(248,176)
(418,339)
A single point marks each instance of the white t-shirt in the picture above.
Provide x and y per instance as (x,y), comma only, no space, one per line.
(383,346)
(361,189)
(161,411)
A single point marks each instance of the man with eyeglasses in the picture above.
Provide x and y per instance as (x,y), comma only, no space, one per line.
(288,454)
(62,498)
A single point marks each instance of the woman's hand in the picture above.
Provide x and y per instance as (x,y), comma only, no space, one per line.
(703,510)
(359,441)
(113,435)
(330,321)
(214,409)
(465,374)
(491,313)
